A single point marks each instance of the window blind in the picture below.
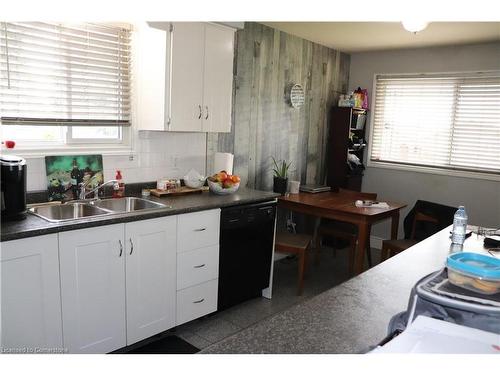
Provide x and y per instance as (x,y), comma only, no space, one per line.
(438,120)
(55,74)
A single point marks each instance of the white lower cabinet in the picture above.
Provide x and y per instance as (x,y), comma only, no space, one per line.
(151,277)
(118,284)
(92,265)
(197,264)
(99,289)
(196,301)
(30,295)
(197,230)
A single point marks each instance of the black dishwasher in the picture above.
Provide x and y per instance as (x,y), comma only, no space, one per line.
(246,248)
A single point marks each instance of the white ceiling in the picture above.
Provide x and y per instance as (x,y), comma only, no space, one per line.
(371,36)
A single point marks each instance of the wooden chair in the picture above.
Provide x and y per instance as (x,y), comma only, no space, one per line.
(344,231)
(294,244)
(392,247)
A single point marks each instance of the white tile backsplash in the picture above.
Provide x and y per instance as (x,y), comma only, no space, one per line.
(120,161)
(157,155)
(34,181)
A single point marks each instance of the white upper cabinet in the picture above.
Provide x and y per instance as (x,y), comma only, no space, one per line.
(30,297)
(151,277)
(184,76)
(150,54)
(187,73)
(218,78)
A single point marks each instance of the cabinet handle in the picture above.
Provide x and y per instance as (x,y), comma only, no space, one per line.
(199,301)
(199,266)
(121,248)
(206,117)
(131,246)
(199,116)
(200,229)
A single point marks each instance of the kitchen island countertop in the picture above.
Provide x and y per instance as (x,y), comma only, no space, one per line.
(351,317)
(36,226)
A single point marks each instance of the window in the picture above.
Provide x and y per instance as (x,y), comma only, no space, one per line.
(64,84)
(449,121)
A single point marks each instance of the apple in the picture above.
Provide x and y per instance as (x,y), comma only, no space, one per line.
(10,144)
(221,176)
(228,183)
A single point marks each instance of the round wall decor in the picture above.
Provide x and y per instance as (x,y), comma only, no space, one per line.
(295,95)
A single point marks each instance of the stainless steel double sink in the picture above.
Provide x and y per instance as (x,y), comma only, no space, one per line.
(84,209)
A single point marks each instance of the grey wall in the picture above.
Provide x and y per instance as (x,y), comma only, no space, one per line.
(481,197)
(264,125)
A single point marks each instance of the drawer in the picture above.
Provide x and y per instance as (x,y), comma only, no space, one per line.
(196,301)
(197,266)
(198,229)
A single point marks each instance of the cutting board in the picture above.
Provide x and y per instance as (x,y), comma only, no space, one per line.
(181,191)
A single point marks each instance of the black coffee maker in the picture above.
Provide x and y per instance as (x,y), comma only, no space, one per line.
(13,183)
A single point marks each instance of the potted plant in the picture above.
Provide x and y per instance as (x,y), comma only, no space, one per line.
(280,176)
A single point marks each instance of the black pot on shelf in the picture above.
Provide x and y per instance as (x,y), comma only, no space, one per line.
(280,184)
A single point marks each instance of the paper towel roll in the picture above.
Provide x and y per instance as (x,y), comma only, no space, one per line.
(223,162)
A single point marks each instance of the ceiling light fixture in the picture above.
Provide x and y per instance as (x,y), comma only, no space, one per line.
(414,26)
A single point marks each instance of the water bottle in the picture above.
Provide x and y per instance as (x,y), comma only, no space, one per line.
(459,226)
(456,248)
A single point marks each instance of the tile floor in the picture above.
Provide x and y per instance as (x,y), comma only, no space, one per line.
(330,271)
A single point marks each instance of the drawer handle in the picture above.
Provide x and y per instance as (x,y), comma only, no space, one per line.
(200,229)
(199,266)
(199,301)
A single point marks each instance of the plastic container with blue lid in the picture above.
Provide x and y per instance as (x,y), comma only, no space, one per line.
(476,272)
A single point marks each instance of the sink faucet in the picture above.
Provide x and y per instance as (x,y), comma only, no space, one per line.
(82,187)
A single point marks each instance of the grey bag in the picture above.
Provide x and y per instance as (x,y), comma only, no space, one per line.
(435,297)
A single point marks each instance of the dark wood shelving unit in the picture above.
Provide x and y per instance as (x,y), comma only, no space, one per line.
(342,123)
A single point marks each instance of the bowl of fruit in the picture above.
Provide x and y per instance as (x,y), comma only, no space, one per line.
(223,183)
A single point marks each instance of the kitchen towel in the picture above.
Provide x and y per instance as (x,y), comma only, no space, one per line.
(223,162)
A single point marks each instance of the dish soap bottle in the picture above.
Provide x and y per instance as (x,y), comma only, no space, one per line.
(119,187)
(459,226)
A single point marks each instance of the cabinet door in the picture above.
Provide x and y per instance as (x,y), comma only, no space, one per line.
(187,76)
(93,289)
(151,277)
(218,78)
(150,55)
(30,299)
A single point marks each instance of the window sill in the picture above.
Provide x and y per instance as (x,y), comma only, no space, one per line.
(80,149)
(435,171)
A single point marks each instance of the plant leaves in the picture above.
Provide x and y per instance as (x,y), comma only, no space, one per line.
(281,168)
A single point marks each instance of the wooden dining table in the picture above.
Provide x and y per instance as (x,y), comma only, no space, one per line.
(340,206)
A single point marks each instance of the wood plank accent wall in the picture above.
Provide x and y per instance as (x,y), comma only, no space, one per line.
(263,124)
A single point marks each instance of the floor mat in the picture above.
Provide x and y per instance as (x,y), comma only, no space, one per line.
(166,345)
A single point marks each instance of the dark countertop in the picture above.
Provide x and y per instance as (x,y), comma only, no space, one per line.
(35,226)
(350,317)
